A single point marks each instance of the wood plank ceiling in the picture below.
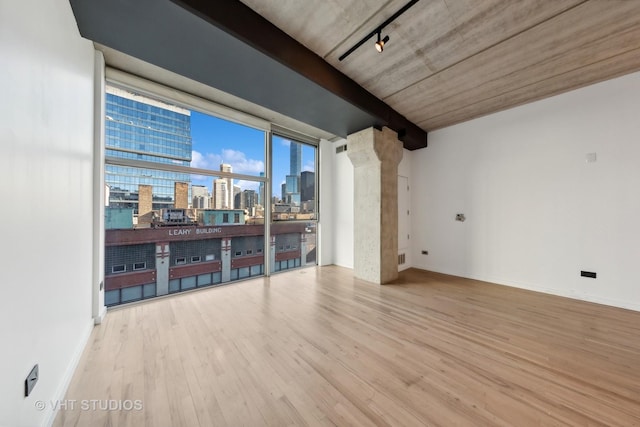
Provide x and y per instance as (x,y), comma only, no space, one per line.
(449,61)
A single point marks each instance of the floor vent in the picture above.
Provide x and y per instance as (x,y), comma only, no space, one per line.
(401,259)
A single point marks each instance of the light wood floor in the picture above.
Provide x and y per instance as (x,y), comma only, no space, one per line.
(318,347)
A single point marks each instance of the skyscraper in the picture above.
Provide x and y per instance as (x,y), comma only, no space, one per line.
(292,183)
(247,200)
(261,191)
(229,202)
(295,158)
(293,179)
(221,194)
(237,191)
(307,186)
(200,197)
(141,128)
(223,190)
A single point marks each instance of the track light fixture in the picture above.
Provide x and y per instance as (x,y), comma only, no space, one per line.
(380,43)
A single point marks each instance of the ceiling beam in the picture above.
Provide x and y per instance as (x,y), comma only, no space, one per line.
(237,19)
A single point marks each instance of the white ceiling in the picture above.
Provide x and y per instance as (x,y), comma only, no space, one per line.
(449,61)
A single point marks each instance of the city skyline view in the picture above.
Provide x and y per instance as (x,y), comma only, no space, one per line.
(144,128)
(217,141)
(170,231)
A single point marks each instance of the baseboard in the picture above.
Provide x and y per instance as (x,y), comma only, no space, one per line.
(100,317)
(349,266)
(545,290)
(71,368)
(565,294)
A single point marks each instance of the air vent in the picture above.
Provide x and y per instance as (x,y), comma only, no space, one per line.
(341,148)
(401,259)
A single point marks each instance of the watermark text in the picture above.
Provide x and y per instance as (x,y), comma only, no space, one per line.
(90,405)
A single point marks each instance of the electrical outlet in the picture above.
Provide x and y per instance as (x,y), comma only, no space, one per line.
(31,381)
(590,274)
(425,252)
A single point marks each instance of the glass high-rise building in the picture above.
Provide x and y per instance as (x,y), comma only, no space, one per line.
(295,158)
(307,186)
(141,128)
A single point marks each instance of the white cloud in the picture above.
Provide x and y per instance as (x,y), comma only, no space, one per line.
(240,164)
(237,159)
(205,161)
(285,142)
(309,166)
(248,185)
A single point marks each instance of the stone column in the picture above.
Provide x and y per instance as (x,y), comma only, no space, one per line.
(375,156)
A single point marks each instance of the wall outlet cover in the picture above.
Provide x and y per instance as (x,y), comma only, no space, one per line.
(31,381)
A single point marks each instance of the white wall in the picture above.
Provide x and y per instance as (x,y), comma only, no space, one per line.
(341,199)
(46,137)
(537,212)
(404,219)
(325,197)
(343,208)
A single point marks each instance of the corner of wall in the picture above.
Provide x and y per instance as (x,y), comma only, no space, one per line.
(326,184)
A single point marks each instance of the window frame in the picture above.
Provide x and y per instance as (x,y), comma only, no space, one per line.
(124,268)
(176,96)
(136,264)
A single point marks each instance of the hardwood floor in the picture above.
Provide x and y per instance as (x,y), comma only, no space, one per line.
(318,347)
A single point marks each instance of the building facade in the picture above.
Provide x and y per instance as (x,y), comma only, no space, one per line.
(201,199)
(141,128)
(295,158)
(223,190)
(307,186)
(150,262)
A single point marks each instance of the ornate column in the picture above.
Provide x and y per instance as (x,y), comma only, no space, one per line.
(375,156)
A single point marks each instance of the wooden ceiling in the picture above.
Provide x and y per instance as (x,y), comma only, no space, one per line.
(449,61)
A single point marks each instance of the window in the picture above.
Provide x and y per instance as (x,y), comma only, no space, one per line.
(185,171)
(294,192)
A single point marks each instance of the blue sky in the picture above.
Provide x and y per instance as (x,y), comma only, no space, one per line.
(216,141)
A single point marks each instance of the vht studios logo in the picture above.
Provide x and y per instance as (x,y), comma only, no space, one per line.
(90,405)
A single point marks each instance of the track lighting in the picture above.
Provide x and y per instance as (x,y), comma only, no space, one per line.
(380,43)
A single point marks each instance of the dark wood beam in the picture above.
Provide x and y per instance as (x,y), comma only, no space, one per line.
(237,19)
